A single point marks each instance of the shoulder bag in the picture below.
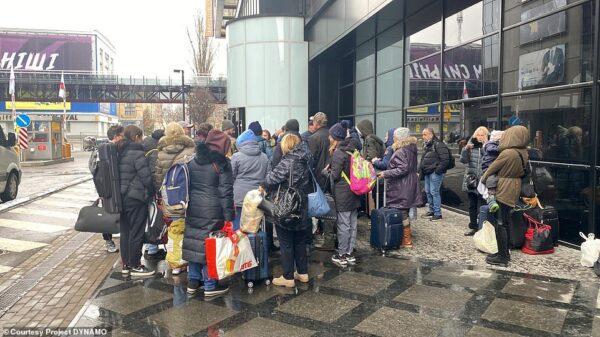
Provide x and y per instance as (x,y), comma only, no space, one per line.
(95,219)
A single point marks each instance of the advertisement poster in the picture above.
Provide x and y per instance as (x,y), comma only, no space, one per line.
(542,68)
(45,52)
(545,27)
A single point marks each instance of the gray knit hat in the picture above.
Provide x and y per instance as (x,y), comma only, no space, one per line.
(227,124)
(401,133)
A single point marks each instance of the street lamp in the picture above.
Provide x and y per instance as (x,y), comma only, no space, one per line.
(182,89)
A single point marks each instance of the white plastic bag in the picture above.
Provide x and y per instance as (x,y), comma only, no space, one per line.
(228,255)
(251,215)
(590,250)
(485,239)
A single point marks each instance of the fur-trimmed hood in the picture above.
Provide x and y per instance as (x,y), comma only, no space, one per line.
(405,142)
(204,156)
(175,144)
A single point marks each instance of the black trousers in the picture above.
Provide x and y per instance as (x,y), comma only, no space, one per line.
(133,224)
(107,236)
(502,233)
(475,200)
(293,251)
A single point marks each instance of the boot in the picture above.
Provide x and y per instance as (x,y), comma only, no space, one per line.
(502,257)
(407,236)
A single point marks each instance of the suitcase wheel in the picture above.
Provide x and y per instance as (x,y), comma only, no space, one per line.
(268,282)
(250,284)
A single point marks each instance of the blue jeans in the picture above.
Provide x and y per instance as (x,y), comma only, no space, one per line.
(238,218)
(433,185)
(197,271)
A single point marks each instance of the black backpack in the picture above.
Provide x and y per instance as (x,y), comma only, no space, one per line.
(451,160)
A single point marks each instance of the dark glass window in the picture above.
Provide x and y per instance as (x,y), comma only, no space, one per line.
(365,97)
(552,54)
(424,32)
(390,49)
(365,31)
(516,11)
(559,123)
(386,121)
(390,15)
(389,90)
(467,23)
(346,101)
(422,80)
(347,70)
(365,60)
(471,70)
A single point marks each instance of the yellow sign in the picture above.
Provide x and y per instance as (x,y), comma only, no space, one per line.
(55,127)
(38,106)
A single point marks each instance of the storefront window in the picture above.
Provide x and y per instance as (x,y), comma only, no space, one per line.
(465,24)
(472,70)
(420,118)
(424,32)
(559,123)
(422,80)
(551,52)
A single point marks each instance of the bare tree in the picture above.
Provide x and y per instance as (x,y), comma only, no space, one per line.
(200,100)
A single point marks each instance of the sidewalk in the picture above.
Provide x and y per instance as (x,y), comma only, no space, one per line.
(439,288)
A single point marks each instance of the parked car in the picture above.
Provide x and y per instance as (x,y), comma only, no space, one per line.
(10,168)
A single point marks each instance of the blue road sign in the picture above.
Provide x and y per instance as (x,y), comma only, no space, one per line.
(23,121)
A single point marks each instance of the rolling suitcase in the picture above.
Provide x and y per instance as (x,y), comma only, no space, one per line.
(260,248)
(386,226)
(548,216)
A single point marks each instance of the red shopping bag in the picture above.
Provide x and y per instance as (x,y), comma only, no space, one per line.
(538,238)
(227,253)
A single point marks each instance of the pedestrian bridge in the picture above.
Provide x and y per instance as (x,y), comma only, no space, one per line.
(92,87)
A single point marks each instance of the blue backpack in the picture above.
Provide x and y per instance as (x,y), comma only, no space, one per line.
(175,191)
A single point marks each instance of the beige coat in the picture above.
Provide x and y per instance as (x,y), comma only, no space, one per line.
(171,150)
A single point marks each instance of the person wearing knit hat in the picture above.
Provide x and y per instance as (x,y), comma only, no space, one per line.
(339,131)
(228,127)
(263,144)
(246,136)
(210,206)
(402,179)
(256,128)
(292,125)
(202,132)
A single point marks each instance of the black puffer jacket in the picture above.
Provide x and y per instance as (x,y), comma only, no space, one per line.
(345,199)
(134,172)
(297,160)
(211,200)
(318,144)
(435,158)
(149,144)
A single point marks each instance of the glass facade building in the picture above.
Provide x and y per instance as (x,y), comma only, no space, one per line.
(457,65)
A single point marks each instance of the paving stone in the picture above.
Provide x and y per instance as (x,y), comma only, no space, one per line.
(474,279)
(318,306)
(434,298)
(190,318)
(546,290)
(268,328)
(596,326)
(387,265)
(359,283)
(132,299)
(388,322)
(532,316)
(479,331)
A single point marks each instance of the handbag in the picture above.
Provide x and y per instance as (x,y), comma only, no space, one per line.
(95,219)
(538,238)
(317,201)
(527,187)
(285,205)
(471,181)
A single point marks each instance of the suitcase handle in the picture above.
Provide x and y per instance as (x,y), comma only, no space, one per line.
(377,192)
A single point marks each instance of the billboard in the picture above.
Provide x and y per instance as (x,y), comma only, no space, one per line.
(542,68)
(44,52)
(545,27)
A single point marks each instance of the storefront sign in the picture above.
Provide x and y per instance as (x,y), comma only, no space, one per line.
(41,147)
(542,68)
(39,106)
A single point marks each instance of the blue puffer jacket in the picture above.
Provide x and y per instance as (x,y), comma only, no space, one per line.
(491,151)
(384,163)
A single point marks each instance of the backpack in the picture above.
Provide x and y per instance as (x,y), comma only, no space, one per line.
(155,232)
(175,190)
(451,159)
(105,175)
(362,174)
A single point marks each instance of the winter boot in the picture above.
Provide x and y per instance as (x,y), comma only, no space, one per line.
(407,235)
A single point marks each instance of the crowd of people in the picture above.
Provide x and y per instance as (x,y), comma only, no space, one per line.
(223,168)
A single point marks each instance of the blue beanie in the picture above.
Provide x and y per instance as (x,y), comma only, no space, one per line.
(338,131)
(245,137)
(256,128)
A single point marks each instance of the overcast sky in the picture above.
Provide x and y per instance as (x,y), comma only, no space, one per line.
(149,35)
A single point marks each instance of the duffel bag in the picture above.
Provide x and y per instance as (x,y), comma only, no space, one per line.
(95,219)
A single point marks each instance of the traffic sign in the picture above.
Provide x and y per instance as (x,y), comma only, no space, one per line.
(23,139)
(23,121)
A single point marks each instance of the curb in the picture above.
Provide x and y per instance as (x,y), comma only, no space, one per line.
(28,199)
(46,162)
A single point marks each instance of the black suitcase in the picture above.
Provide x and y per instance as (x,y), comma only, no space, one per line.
(386,227)
(260,248)
(517,226)
(548,216)
(106,178)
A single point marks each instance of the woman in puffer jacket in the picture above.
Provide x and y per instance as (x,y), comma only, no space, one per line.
(136,190)
(382,163)
(472,157)
(292,233)
(210,206)
(174,147)
(402,179)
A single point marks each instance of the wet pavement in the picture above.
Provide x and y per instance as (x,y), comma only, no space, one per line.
(380,296)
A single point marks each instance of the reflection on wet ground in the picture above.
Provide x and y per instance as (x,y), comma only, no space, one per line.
(381,296)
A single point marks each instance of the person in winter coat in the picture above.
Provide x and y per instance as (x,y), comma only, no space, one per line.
(509,166)
(292,126)
(402,179)
(292,233)
(382,163)
(202,132)
(472,157)
(491,151)
(174,148)
(373,145)
(250,166)
(136,190)
(433,166)
(263,144)
(210,206)
(318,145)
(229,128)
(347,203)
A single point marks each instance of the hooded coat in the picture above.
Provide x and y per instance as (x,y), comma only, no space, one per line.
(297,160)
(401,176)
(345,199)
(318,145)
(383,163)
(250,167)
(373,147)
(211,200)
(149,144)
(171,150)
(473,160)
(135,176)
(509,166)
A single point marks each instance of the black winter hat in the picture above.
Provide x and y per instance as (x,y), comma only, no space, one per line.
(338,131)
(292,125)
(256,128)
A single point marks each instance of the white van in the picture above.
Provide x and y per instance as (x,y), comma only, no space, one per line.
(10,168)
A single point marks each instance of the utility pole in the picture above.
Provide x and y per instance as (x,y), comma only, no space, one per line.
(182,89)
